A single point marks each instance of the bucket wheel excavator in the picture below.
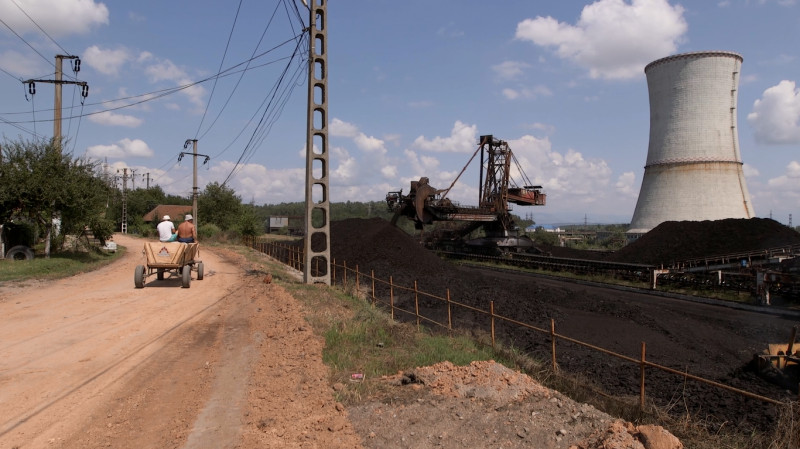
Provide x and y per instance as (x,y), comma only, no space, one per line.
(425,205)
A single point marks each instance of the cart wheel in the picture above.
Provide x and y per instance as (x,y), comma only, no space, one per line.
(200,271)
(138,276)
(160,274)
(187,276)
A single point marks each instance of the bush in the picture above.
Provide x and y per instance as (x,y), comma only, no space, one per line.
(208,231)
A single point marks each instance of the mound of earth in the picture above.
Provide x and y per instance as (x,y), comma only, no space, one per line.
(673,241)
(486,404)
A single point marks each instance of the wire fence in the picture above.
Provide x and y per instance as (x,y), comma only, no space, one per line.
(352,277)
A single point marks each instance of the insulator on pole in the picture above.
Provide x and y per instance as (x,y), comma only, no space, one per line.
(85,91)
(76,65)
(32,88)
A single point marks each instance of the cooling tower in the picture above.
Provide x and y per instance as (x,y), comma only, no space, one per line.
(694,169)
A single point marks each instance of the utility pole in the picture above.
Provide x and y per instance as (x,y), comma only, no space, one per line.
(58,82)
(317,266)
(194,169)
(124,226)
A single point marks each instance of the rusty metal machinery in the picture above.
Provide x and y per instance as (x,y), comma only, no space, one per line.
(424,204)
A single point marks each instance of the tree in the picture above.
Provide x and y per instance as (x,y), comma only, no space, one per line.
(40,183)
(220,205)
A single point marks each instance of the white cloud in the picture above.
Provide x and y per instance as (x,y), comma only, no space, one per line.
(625,184)
(19,64)
(508,70)
(463,139)
(341,128)
(527,93)
(569,177)
(107,62)
(613,39)
(790,180)
(776,115)
(58,17)
(166,70)
(750,171)
(121,149)
(113,119)
(369,143)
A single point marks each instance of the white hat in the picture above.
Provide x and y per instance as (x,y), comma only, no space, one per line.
(188,217)
(166,217)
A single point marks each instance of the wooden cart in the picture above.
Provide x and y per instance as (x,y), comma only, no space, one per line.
(173,257)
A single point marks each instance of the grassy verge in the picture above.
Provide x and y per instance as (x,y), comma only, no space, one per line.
(59,265)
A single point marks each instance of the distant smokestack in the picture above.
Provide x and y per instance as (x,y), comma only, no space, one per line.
(694,169)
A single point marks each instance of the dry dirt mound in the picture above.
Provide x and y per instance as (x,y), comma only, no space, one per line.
(682,240)
(486,404)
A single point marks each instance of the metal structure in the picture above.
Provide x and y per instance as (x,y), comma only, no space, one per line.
(694,168)
(317,244)
(497,190)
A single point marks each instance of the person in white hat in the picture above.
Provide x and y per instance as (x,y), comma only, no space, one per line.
(166,230)
(186,230)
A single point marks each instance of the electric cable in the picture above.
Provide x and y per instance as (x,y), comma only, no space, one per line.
(236,86)
(40,28)
(216,78)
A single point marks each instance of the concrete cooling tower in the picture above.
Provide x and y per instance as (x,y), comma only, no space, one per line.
(694,169)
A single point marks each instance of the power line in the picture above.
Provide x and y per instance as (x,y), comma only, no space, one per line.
(222,61)
(164,92)
(40,28)
(241,76)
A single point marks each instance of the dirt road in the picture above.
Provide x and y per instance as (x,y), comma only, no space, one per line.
(90,361)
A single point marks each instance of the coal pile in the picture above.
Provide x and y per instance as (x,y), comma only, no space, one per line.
(674,241)
(719,342)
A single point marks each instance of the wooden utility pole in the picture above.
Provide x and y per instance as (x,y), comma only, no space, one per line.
(317,265)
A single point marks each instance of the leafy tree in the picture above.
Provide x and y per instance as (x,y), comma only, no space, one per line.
(40,183)
(220,205)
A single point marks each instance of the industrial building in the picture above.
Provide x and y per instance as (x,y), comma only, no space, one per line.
(694,168)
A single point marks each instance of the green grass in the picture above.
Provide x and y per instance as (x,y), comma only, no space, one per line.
(59,265)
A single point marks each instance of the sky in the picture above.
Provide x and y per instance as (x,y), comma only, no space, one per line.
(411,88)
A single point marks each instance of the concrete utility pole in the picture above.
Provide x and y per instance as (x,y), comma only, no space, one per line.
(194,169)
(317,265)
(58,82)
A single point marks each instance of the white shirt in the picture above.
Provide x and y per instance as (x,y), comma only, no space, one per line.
(165,230)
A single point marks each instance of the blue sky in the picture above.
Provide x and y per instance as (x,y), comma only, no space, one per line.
(412,85)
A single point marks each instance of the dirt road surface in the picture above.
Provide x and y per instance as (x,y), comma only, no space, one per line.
(90,361)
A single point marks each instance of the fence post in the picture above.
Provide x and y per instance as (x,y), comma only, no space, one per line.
(333,272)
(641,378)
(358,287)
(416,303)
(372,275)
(553,342)
(449,315)
(391,297)
(491,314)
(344,274)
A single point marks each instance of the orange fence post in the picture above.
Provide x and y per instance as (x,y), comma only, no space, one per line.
(357,286)
(372,275)
(641,378)
(391,297)
(491,314)
(449,315)
(416,303)
(553,342)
